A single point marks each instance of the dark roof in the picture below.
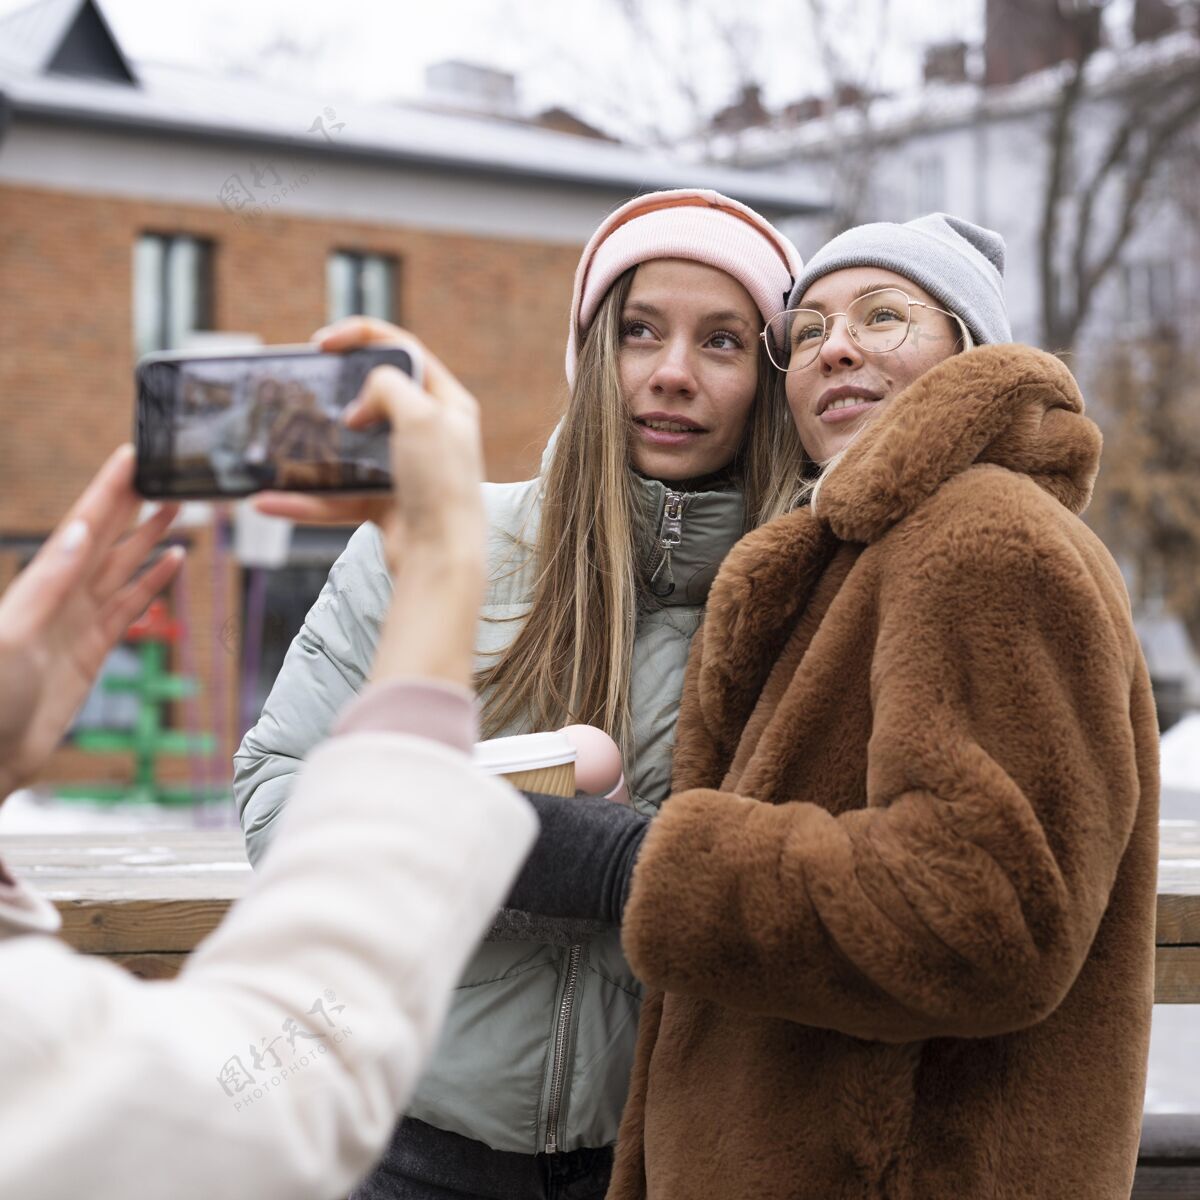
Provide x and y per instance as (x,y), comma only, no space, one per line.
(64,37)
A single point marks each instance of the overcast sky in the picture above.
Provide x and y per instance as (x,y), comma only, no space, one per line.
(577,53)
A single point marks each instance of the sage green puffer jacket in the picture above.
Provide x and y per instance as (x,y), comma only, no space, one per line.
(539,1039)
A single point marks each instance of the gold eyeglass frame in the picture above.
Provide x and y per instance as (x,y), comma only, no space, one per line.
(828,318)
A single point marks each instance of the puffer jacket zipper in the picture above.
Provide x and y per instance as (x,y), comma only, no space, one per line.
(558,1072)
(670,535)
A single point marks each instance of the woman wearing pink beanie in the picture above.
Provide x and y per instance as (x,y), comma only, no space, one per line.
(668,451)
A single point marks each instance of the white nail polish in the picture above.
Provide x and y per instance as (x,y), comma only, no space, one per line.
(74,536)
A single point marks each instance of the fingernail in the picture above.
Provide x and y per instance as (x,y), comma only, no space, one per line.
(316,337)
(74,536)
(350,410)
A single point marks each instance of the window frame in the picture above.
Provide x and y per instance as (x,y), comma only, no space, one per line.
(358,261)
(165,298)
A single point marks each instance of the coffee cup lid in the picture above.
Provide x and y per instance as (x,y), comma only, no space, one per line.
(524,752)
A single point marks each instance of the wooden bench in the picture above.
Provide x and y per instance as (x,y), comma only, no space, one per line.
(142,899)
(145,899)
(1169,1158)
(1177,962)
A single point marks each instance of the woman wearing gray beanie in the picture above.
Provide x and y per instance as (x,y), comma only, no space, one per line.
(910,294)
(896,920)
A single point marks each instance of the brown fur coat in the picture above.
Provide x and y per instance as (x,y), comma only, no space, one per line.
(897,920)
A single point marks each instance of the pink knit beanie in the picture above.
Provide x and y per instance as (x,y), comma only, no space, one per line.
(694,224)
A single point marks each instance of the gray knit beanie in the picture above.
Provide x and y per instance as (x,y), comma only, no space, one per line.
(959,264)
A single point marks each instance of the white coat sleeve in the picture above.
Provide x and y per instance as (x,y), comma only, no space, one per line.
(278,1061)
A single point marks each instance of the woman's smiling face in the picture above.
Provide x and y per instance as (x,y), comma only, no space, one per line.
(834,397)
(689,367)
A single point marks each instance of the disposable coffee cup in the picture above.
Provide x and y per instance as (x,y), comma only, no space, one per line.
(534,762)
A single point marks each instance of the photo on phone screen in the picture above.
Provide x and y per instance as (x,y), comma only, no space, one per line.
(215,425)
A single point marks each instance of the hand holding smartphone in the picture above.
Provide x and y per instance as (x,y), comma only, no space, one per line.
(223,425)
(420,481)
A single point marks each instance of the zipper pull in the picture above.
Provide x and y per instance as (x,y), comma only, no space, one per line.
(670,534)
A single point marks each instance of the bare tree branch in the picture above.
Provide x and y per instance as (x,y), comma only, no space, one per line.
(853,163)
(1156,114)
(1062,150)
(1143,169)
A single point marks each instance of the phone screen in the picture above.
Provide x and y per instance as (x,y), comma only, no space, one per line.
(228,425)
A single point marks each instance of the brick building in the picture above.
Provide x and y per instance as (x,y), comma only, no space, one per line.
(143,206)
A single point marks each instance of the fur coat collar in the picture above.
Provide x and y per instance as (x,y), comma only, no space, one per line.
(1008,406)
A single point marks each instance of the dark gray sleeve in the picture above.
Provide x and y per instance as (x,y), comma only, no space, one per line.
(581,865)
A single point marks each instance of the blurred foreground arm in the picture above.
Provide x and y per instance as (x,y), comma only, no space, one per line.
(277,1063)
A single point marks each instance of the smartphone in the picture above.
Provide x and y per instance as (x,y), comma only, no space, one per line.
(222,424)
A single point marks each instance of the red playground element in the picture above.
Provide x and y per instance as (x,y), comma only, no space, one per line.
(154,625)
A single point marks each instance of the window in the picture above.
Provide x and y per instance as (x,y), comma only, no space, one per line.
(1072,167)
(288,592)
(172,290)
(930,184)
(1150,297)
(361,283)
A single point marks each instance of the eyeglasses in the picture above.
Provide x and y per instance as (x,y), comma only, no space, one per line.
(878,323)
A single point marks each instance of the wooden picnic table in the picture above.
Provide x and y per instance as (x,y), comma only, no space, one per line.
(145,899)
(1177,963)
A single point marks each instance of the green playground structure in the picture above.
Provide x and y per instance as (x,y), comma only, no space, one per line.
(153,685)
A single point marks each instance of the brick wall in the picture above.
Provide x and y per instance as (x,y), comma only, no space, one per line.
(494,310)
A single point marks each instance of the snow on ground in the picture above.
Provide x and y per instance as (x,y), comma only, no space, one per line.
(1173,1082)
(28,811)
(1181,755)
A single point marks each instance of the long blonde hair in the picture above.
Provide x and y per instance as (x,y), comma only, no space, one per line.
(572,660)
